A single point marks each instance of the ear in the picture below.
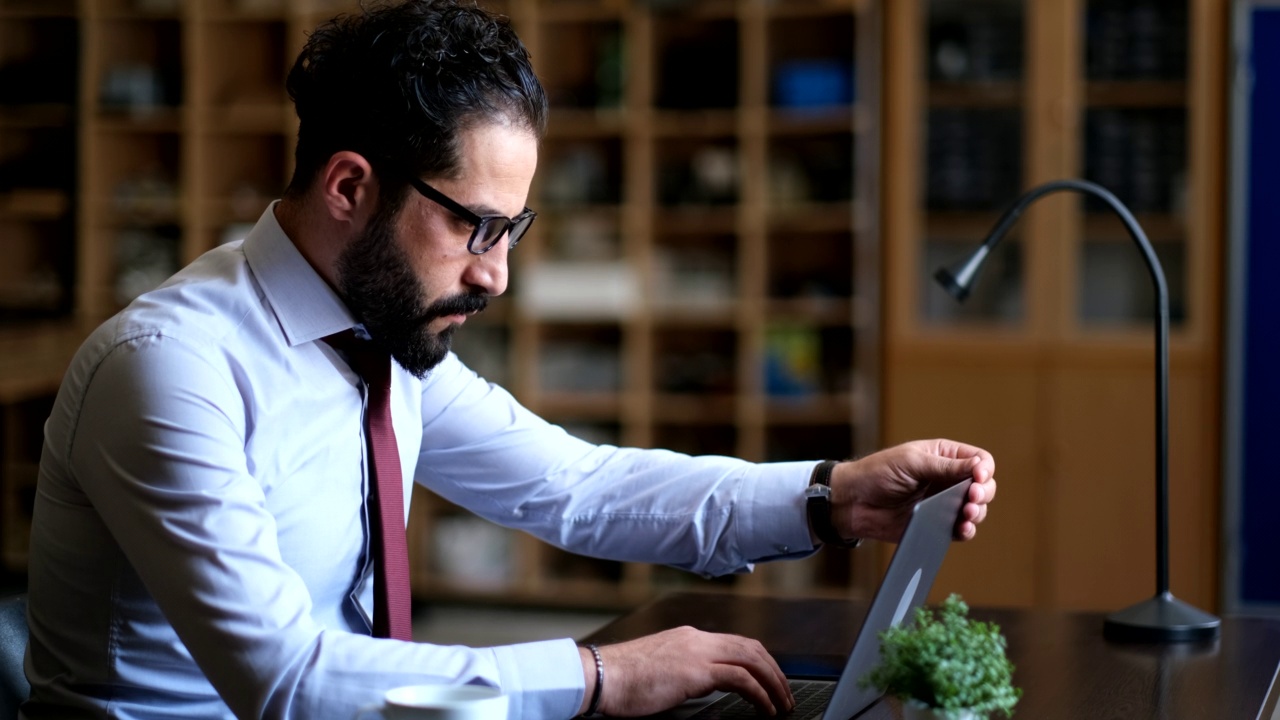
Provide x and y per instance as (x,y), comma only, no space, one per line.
(348,188)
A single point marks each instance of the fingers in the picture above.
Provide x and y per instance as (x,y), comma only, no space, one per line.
(984,464)
(753,673)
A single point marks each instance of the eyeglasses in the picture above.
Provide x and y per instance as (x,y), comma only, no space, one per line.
(488,229)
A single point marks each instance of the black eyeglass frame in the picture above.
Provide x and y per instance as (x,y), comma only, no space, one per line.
(515,227)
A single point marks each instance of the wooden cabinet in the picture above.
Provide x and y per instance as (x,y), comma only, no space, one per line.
(1051,364)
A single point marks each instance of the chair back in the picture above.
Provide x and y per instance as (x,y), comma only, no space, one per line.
(14,688)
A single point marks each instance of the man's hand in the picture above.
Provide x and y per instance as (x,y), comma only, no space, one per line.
(872,497)
(660,671)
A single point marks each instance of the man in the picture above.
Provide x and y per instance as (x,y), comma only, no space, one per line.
(208,538)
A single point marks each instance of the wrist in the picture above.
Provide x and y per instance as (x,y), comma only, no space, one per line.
(822,498)
(593,678)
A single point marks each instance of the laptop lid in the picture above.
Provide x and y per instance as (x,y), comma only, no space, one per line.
(905,587)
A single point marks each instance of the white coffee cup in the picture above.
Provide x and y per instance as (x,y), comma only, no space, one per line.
(441,702)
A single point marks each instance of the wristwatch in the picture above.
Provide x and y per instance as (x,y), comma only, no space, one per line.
(818,505)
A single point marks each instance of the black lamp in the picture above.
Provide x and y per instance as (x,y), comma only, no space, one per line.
(1163,618)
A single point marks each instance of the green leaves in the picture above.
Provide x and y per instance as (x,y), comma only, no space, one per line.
(948,662)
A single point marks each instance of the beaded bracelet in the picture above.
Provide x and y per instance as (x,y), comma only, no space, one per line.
(595,696)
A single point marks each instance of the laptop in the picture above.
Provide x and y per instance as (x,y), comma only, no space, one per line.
(905,587)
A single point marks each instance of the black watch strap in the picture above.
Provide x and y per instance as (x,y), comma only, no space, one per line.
(818,506)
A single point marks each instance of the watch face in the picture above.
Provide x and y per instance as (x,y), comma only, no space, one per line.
(817,491)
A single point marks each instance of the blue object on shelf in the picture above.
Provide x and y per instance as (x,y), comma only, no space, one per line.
(813,83)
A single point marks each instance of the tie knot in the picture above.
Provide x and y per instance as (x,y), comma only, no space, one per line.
(372,363)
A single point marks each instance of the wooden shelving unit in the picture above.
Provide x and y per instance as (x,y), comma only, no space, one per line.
(1050,363)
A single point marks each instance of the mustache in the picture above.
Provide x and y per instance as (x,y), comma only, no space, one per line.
(456,305)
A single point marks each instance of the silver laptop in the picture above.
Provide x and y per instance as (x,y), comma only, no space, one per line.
(905,587)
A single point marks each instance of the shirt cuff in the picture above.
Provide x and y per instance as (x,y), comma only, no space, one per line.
(776,525)
(541,679)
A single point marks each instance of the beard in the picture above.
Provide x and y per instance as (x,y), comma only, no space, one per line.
(378,284)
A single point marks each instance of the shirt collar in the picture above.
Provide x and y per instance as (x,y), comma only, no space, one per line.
(306,307)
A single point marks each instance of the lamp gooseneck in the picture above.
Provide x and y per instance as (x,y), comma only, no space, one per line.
(1163,618)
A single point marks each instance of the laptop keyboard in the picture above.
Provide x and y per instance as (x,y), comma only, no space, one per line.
(811,699)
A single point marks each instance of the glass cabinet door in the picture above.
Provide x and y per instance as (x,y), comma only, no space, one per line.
(973,159)
(1135,145)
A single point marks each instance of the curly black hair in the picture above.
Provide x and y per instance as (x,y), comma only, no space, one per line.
(398,82)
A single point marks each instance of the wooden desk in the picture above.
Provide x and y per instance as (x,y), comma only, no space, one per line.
(1064,666)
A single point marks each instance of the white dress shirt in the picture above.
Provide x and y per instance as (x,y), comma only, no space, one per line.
(200,544)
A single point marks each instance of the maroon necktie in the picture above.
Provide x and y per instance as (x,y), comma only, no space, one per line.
(391,597)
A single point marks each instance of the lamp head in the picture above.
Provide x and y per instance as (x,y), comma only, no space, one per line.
(959,281)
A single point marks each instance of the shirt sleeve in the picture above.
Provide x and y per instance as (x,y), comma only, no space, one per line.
(159,451)
(709,514)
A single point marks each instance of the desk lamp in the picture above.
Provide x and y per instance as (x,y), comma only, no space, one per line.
(1163,618)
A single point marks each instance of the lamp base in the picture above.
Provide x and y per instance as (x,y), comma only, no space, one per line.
(1163,618)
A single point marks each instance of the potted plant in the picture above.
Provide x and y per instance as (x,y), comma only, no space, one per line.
(946,665)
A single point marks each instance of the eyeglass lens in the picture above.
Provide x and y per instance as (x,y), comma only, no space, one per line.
(491,230)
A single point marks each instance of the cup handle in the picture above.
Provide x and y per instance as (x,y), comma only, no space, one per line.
(366,709)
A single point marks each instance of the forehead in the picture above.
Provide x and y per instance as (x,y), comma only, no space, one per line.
(496,153)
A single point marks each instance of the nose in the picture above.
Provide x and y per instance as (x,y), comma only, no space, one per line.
(488,272)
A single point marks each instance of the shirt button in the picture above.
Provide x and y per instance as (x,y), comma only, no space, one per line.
(783,548)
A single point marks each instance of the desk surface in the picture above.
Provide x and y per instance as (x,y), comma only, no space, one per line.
(1064,666)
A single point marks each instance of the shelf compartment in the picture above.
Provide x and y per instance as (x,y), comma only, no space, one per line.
(144,257)
(580,361)
(249,169)
(39,58)
(483,347)
(811,169)
(698,64)
(588,67)
(38,270)
(698,172)
(140,69)
(694,277)
(137,178)
(37,160)
(803,362)
(581,171)
(811,62)
(699,361)
(810,266)
(245,64)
